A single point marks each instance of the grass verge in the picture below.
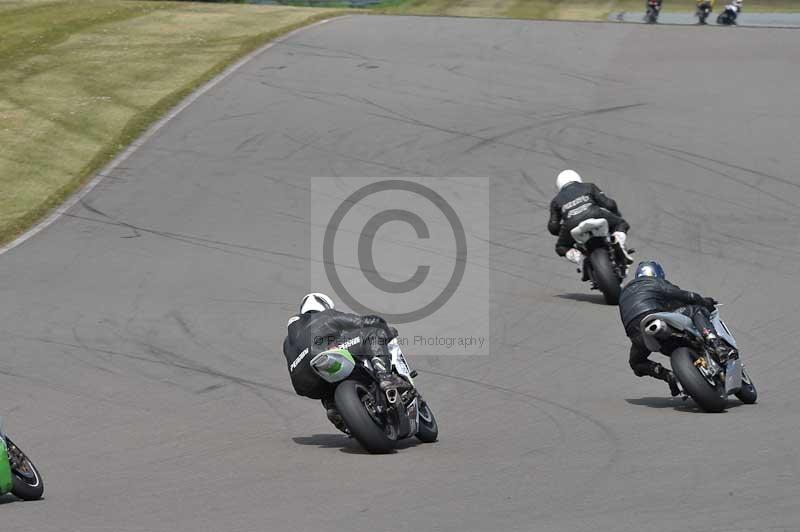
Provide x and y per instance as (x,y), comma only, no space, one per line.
(559,9)
(83,78)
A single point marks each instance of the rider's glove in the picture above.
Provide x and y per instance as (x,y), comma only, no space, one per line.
(710,303)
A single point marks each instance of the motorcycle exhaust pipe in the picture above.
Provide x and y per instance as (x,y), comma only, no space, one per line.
(391,395)
(322,362)
(656,327)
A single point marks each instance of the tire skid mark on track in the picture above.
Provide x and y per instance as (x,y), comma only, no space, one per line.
(606,430)
(172,360)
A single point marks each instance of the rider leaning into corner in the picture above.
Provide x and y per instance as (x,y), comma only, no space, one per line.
(703,4)
(736,8)
(650,292)
(575,202)
(318,327)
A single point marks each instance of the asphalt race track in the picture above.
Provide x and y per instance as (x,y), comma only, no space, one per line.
(141,364)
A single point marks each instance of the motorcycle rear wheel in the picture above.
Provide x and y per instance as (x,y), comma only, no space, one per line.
(605,276)
(27,481)
(352,402)
(707,397)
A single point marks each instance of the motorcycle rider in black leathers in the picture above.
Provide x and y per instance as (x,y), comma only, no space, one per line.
(650,292)
(575,202)
(318,327)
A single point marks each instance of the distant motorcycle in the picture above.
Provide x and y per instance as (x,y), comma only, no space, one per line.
(605,264)
(653,8)
(728,17)
(703,11)
(18,475)
(377,418)
(705,375)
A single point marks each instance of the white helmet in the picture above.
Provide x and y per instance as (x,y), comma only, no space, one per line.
(566,177)
(738,3)
(315,302)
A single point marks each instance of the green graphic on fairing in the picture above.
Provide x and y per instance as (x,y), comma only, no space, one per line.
(6,480)
(334,365)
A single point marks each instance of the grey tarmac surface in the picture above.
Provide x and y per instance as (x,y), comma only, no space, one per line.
(141,361)
(772,20)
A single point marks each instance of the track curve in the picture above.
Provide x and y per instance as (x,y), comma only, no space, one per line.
(142,331)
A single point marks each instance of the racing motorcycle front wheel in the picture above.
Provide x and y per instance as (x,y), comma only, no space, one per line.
(428,431)
(747,393)
(28,484)
(357,406)
(707,396)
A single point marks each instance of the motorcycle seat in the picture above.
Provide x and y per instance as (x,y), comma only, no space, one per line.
(587,229)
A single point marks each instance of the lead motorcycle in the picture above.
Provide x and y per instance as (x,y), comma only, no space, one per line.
(378,419)
(728,16)
(704,375)
(18,475)
(605,264)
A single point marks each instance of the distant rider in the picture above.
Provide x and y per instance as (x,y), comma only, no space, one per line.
(650,292)
(575,202)
(318,327)
(655,3)
(705,4)
(735,8)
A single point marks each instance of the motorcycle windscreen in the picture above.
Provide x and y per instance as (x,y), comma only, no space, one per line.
(334,365)
(6,479)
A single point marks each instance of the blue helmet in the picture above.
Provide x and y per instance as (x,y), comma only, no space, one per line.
(650,268)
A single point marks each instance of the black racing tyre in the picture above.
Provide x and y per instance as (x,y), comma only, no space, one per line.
(350,399)
(28,484)
(747,393)
(706,396)
(428,431)
(605,276)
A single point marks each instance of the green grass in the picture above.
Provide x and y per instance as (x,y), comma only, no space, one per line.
(82,78)
(559,9)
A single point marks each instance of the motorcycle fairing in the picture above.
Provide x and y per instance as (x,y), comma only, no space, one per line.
(6,477)
(722,329)
(733,376)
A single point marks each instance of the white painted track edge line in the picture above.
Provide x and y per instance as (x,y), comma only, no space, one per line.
(81,193)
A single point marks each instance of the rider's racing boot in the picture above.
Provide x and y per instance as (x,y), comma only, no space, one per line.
(619,239)
(334,416)
(573,255)
(662,373)
(672,380)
